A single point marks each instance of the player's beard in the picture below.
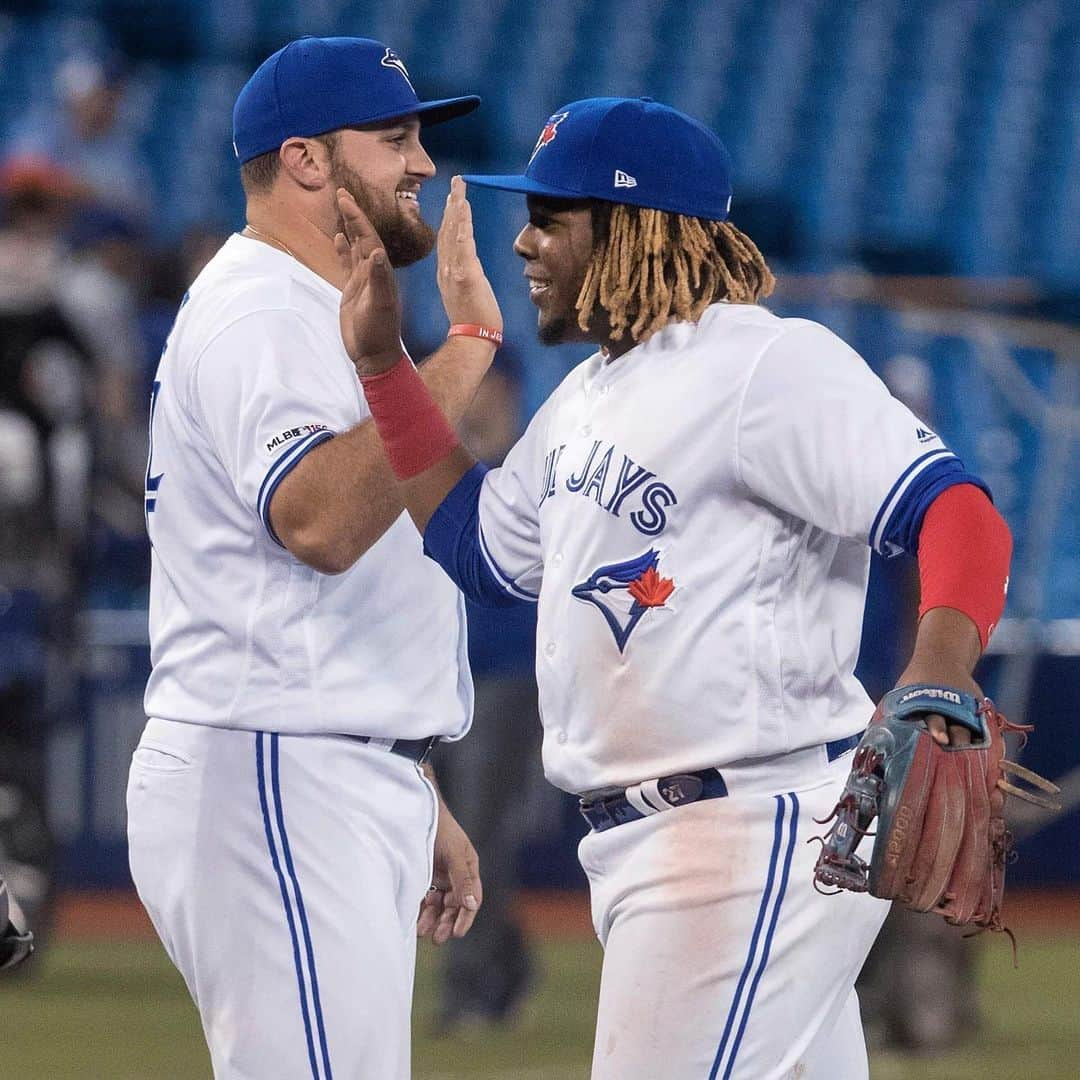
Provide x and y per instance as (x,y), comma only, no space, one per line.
(407,238)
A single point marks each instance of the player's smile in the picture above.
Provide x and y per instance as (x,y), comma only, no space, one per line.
(556,245)
(383,166)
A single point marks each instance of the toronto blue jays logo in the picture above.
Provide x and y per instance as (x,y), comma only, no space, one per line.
(624,591)
(551,129)
(392,60)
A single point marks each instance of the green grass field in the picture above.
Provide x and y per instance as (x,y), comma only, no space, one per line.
(102,1011)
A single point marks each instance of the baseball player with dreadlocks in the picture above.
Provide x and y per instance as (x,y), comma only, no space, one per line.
(693,510)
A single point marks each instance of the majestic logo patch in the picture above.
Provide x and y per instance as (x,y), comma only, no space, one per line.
(624,591)
(551,129)
(924,436)
(623,179)
(392,60)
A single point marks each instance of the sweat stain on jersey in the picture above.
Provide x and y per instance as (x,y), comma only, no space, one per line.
(624,591)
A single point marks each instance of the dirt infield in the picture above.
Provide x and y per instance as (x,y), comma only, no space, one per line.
(118,915)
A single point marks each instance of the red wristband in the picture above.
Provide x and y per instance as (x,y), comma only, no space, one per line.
(964,550)
(412,427)
(487,333)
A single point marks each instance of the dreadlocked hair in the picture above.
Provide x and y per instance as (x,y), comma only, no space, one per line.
(650,267)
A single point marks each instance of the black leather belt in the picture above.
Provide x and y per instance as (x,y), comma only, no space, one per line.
(677,790)
(416,750)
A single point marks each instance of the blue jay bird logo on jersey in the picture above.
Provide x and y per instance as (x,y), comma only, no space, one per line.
(625,591)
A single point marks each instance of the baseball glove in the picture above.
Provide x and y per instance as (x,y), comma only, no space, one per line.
(16,942)
(941,842)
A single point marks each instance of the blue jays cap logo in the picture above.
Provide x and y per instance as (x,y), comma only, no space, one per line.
(551,129)
(625,591)
(392,60)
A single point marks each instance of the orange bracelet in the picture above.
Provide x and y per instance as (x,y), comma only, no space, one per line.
(487,333)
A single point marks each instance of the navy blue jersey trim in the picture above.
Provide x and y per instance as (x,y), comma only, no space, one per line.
(507,581)
(261,772)
(778,827)
(279,470)
(793,822)
(901,531)
(901,480)
(452,538)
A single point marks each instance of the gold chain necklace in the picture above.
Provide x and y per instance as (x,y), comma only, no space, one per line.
(269,239)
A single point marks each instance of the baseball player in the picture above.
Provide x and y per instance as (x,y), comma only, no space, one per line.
(16,941)
(305,655)
(693,511)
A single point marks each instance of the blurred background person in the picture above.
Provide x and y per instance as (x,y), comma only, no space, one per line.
(491,773)
(45,388)
(86,129)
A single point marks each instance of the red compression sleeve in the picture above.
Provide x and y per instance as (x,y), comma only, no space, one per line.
(412,427)
(964,550)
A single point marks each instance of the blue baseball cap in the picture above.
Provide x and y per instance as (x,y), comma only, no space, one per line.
(626,150)
(315,85)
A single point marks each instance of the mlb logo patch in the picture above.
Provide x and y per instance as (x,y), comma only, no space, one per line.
(551,129)
(624,591)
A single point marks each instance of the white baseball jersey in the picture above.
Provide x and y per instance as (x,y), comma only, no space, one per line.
(695,519)
(243,635)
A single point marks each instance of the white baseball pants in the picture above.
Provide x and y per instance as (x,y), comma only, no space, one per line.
(721,961)
(284,875)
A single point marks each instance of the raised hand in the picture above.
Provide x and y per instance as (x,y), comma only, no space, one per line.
(467,295)
(370,310)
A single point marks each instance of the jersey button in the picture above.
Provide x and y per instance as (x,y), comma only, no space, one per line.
(586,430)
(561,737)
(604,391)
(549,648)
(556,559)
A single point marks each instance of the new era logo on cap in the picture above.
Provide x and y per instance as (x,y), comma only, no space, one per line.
(624,179)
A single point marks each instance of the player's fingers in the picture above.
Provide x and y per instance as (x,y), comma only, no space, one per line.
(938,729)
(464,232)
(380,283)
(467,890)
(344,252)
(959,735)
(358,230)
(430,909)
(445,926)
(464,920)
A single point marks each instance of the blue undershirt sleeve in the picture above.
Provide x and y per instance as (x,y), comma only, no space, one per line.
(452,539)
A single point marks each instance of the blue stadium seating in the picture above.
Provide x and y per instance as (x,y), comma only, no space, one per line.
(951,127)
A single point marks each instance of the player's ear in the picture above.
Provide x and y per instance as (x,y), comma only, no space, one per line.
(306,162)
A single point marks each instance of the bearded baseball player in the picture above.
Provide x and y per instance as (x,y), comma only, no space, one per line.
(305,654)
(693,510)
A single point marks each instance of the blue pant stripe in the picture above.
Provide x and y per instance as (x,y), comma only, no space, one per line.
(285,900)
(312,973)
(792,825)
(778,826)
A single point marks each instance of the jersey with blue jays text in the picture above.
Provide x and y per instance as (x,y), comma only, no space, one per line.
(695,520)
(243,635)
